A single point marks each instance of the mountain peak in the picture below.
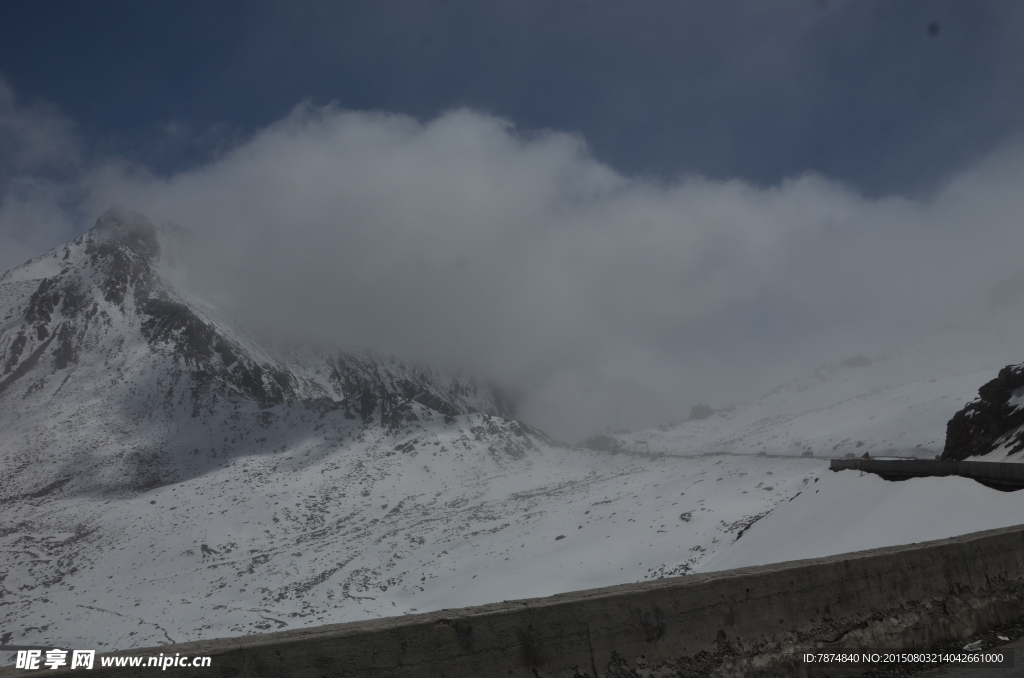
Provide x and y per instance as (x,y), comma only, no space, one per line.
(92,326)
(128,228)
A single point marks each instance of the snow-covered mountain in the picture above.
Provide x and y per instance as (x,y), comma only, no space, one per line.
(168,477)
(114,379)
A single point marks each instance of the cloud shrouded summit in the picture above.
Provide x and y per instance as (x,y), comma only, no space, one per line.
(605,299)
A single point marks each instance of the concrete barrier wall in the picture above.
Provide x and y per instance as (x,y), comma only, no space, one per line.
(745,622)
(996,474)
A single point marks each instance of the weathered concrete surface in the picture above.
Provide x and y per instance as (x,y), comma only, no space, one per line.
(745,622)
(999,475)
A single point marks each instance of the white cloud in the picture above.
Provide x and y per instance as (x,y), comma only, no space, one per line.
(463,242)
(39,151)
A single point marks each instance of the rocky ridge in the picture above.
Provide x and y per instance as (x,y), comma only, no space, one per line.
(993,422)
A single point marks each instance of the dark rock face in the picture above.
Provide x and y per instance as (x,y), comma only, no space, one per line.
(371,386)
(977,428)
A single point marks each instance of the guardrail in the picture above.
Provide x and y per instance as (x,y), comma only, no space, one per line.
(999,475)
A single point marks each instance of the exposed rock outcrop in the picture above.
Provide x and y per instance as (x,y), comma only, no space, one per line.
(994,420)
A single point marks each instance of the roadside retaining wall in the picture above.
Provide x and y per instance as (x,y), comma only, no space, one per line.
(745,622)
(1003,476)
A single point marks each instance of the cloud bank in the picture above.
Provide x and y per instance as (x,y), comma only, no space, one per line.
(40,157)
(605,300)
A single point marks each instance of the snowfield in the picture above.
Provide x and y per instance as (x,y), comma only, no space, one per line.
(847,511)
(319,533)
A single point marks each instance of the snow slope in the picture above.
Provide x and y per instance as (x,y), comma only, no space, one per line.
(847,511)
(834,411)
(321,532)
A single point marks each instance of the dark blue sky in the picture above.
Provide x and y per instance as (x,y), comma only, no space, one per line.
(887,97)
